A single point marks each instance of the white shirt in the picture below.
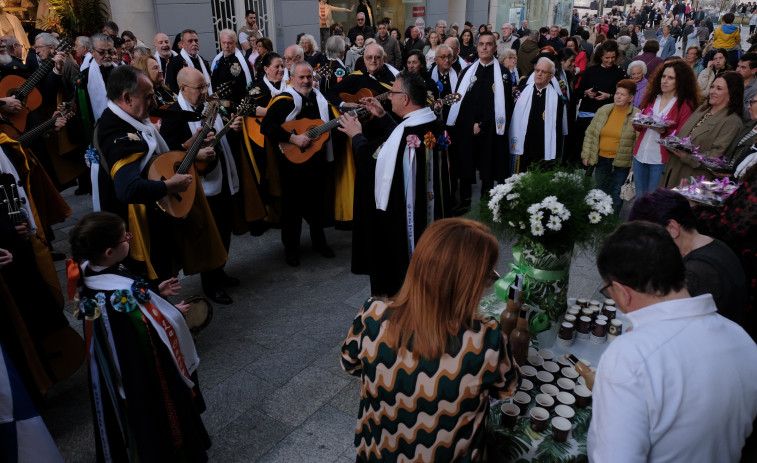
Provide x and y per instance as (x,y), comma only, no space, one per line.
(649,149)
(680,387)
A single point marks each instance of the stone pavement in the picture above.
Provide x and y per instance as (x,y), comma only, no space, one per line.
(269,363)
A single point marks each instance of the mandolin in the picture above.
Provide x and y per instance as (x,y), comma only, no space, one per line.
(67,110)
(318,131)
(244,108)
(171,163)
(25,91)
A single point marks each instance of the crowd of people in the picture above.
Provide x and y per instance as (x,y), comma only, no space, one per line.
(360,129)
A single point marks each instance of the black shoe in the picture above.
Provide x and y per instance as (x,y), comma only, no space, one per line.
(325,251)
(227,281)
(219,296)
(57,256)
(82,191)
(293,260)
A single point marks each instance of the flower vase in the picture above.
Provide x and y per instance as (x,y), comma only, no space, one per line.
(546,276)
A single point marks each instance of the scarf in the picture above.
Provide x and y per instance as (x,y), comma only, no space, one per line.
(499,96)
(188,60)
(387,155)
(275,91)
(165,318)
(6,166)
(323,109)
(157,58)
(241,60)
(452,77)
(212,181)
(86,60)
(519,122)
(392,69)
(98,97)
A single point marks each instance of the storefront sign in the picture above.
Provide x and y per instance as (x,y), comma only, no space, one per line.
(419,11)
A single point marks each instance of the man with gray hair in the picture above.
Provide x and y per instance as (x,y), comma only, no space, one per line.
(95,78)
(538,125)
(231,66)
(458,64)
(82,47)
(506,40)
(441,29)
(292,54)
(9,62)
(361,29)
(303,184)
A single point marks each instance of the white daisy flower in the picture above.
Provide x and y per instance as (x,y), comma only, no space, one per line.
(537,229)
(594,217)
(554,224)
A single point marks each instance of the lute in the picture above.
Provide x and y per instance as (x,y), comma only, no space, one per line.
(67,110)
(171,163)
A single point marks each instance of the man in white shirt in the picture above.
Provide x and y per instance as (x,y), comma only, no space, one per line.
(681,385)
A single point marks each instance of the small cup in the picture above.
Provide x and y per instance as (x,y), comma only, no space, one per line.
(546,354)
(609,302)
(539,417)
(563,361)
(600,328)
(528,372)
(570,373)
(587,313)
(582,302)
(594,311)
(571,301)
(566,384)
(551,367)
(574,310)
(609,311)
(549,389)
(567,329)
(545,401)
(522,400)
(532,351)
(563,411)
(581,381)
(593,302)
(510,412)
(570,318)
(560,429)
(603,317)
(615,328)
(525,385)
(544,377)
(584,325)
(583,396)
(535,361)
(565,398)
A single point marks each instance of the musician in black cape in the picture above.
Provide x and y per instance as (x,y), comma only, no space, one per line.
(303,185)
(382,239)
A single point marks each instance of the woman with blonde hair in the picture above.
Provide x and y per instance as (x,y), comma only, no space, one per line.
(151,67)
(427,360)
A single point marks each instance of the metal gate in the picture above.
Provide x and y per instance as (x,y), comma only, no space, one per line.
(229,14)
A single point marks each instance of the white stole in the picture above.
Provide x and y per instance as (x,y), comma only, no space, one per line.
(98,97)
(157,58)
(241,60)
(392,69)
(272,88)
(387,156)
(212,182)
(452,77)
(519,122)
(188,60)
(499,96)
(172,315)
(85,61)
(323,109)
(7,167)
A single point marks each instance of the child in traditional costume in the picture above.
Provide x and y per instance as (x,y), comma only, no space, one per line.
(141,357)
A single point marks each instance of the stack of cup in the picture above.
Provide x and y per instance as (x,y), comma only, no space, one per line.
(615,329)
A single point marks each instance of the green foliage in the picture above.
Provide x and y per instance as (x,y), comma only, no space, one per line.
(80,17)
(555,209)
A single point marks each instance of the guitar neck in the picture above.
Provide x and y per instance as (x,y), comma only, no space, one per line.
(37,131)
(222,133)
(189,159)
(34,79)
(316,132)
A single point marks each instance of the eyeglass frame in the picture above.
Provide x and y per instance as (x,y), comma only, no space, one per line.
(111,52)
(603,290)
(128,238)
(200,88)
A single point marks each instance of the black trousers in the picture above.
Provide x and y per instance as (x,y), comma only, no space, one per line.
(223,214)
(303,187)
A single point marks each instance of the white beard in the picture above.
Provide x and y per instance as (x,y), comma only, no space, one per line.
(5,59)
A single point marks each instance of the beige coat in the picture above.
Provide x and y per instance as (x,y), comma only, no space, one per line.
(713,137)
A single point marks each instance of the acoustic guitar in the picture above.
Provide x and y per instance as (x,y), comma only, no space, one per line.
(318,131)
(252,124)
(171,163)
(25,91)
(63,350)
(67,110)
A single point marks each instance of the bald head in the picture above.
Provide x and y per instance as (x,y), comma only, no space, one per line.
(454,45)
(192,86)
(162,45)
(187,76)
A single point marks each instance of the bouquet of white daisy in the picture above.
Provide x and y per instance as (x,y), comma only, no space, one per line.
(548,213)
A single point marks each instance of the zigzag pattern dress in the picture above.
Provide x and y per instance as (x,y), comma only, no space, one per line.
(425,410)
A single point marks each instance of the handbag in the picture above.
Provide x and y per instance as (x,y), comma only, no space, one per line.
(628,190)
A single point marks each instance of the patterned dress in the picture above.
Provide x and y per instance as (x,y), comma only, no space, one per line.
(425,410)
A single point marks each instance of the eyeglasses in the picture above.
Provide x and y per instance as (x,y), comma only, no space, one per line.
(373,57)
(41,47)
(396,93)
(128,238)
(199,87)
(750,103)
(112,51)
(604,289)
